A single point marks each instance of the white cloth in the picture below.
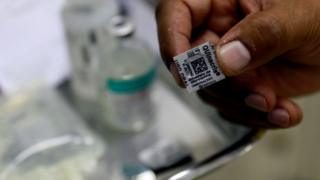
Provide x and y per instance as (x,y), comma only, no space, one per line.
(32,44)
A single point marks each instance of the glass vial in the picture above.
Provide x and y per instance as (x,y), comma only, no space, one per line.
(128,73)
(82,18)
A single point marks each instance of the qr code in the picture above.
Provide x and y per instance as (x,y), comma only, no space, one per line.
(199,65)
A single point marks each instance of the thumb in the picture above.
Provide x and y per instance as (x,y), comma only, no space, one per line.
(254,41)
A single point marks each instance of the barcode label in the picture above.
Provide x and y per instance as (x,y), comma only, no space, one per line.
(198,67)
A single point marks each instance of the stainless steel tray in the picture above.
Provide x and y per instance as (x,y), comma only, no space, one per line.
(187,140)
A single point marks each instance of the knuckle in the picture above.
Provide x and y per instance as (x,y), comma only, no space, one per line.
(268,31)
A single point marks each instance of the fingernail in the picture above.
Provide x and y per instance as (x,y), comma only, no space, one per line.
(235,56)
(175,73)
(279,117)
(257,101)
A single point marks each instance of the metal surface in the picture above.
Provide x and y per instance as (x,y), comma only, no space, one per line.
(234,151)
(238,140)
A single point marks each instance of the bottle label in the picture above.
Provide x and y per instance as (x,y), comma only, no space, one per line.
(198,67)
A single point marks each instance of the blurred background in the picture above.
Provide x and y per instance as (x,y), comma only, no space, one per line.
(84,95)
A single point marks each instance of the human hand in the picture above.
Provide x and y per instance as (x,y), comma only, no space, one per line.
(269,49)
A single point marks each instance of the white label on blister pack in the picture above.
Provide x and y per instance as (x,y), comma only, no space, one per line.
(198,67)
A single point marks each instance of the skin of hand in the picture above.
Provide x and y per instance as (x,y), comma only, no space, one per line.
(269,49)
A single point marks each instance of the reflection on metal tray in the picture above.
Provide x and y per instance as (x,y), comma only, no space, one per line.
(235,140)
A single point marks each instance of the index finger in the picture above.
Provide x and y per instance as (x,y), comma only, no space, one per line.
(176,19)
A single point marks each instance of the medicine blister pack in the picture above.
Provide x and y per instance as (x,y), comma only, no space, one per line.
(198,67)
